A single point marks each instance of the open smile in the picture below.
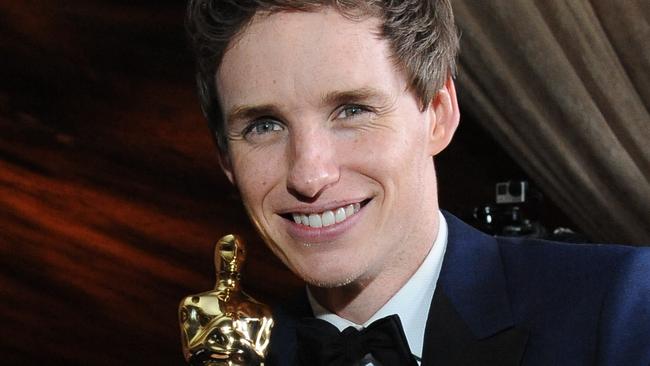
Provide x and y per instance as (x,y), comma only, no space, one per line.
(327,217)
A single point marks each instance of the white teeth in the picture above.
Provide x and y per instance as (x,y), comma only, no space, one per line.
(326,218)
(304,220)
(315,220)
(340,214)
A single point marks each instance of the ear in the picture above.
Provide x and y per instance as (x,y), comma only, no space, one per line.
(444,117)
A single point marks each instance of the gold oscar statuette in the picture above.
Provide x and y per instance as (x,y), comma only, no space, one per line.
(225,326)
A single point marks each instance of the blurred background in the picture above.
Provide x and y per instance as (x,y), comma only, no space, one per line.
(111,198)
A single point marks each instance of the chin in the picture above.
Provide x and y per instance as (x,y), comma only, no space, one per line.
(324,268)
(328,282)
(324,276)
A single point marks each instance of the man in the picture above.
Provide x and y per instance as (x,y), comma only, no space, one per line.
(328,115)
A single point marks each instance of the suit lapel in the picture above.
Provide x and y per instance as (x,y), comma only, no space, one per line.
(283,336)
(470,321)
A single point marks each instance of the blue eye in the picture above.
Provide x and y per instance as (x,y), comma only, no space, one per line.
(351,110)
(263,126)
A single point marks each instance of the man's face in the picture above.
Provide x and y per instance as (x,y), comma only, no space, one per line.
(329,149)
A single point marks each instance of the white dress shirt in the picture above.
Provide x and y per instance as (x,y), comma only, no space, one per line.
(411,302)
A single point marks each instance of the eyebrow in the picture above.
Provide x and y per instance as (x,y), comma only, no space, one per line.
(339,97)
(336,97)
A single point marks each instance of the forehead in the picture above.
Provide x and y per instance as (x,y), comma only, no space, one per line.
(287,56)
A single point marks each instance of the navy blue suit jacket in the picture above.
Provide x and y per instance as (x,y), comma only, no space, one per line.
(504,301)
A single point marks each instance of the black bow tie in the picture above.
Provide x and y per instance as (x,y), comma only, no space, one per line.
(321,344)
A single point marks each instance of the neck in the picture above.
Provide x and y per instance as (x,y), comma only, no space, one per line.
(361,299)
(227,281)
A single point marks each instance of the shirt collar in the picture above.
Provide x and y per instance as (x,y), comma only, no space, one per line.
(411,302)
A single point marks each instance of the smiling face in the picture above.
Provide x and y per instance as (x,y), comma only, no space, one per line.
(329,148)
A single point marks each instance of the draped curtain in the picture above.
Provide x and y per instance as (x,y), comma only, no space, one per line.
(564,86)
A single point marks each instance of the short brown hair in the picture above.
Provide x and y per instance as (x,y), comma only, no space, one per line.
(421,33)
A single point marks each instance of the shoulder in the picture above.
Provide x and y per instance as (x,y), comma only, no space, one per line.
(590,296)
(551,259)
(538,267)
(625,313)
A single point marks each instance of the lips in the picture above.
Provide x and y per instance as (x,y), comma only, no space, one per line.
(326,218)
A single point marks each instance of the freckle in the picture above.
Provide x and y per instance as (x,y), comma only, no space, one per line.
(263,183)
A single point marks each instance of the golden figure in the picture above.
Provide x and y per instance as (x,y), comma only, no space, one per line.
(225,327)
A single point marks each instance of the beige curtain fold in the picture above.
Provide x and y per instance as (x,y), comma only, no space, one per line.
(565,87)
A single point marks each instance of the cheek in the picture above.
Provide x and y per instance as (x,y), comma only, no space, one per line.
(386,154)
(256,174)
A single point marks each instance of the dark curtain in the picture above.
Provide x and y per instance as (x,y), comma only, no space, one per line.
(564,87)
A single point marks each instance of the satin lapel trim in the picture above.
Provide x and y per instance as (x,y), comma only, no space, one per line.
(472,277)
(449,341)
(470,320)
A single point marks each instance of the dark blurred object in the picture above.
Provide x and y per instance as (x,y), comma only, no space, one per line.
(517,214)
(567,235)
(506,221)
(511,192)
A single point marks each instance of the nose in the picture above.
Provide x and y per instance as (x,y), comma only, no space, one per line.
(313,165)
